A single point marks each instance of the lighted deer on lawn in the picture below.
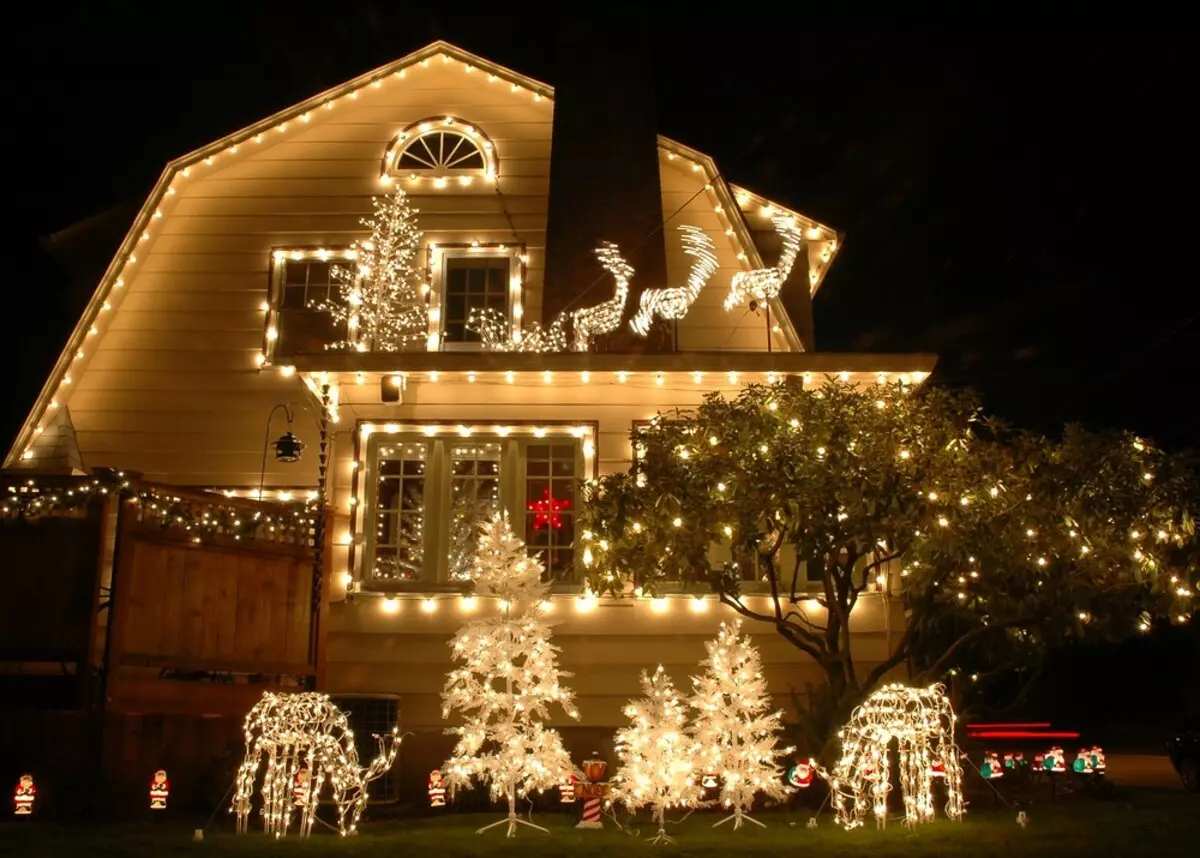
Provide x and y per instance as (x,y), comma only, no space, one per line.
(306,741)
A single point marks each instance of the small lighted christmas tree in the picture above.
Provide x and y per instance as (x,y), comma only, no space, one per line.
(735,731)
(656,753)
(381,297)
(509,682)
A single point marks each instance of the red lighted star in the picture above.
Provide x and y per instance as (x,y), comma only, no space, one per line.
(547,511)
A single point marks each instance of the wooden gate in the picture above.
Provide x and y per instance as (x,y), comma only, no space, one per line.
(213,604)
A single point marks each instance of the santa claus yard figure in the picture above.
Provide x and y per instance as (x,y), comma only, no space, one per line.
(990,768)
(1083,762)
(1098,763)
(437,789)
(160,790)
(24,795)
(800,775)
(1055,761)
(937,769)
(301,788)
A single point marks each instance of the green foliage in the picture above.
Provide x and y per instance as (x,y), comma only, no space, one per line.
(996,542)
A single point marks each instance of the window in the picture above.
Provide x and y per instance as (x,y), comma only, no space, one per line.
(474,279)
(302,281)
(473,284)
(425,489)
(446,151)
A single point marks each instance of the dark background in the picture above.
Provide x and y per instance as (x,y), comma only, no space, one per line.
(1022,205)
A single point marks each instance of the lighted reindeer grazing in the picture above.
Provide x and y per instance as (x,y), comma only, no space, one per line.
(605,316)
(763,284)
(922,723)
(297,732)
(672,303)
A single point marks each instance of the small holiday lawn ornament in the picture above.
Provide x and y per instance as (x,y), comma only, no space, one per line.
(1022,818)
(1055,760)
(1098,763)
(566,789)
(160,789)
(800,775)
(709,781)
(1083,762)
(593,791)
(1009,762)
(1039,762)
(937,769)
(990,768)
(301,788)
(437,789)
(1018,760)
(24,795)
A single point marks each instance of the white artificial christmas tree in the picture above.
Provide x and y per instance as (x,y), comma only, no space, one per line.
(508,683)
(381,297)
(735,730)
(656,753)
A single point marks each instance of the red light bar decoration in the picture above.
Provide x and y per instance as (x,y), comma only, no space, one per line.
(1026,734)
(1032,725)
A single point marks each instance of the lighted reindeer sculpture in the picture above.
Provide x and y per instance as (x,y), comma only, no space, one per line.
(673,302)
(922,723)
(305,732)
(764,284)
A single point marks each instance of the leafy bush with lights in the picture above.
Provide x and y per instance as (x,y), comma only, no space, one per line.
(997,542)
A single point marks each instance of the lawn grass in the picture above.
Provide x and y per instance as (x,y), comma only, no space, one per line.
(1132,822)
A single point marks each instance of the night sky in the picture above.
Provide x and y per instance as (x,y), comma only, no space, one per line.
(1022,205)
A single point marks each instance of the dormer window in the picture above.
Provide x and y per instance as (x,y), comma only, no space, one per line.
(444,151)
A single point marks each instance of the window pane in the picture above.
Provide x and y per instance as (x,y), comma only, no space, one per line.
(399,536)
(550,477)
(474,498)
(473,283)
(302,326)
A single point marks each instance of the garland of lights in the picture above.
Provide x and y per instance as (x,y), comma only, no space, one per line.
(921,720)
(766,283)
(656,753)
(673,303)
(509,681)
(735,732)
(306,741)
(159,507)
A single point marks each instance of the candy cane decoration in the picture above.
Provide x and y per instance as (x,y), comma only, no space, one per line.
(765,283)
(673,303)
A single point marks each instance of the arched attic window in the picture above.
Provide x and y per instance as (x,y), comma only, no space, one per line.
(442,150)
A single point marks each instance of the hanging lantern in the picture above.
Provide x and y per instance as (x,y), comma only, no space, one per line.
(437,791)
(566,789)
(300,788)
(288,448)
(801,774)
(159,790)
(24,795)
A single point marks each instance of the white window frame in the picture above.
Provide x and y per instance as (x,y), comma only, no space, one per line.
(439,254)
(515,440)
(280,256)
(439,176)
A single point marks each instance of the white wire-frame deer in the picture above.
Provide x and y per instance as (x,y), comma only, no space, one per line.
(922,723)
(673,302)
(305,731)
(605,317)
(764,284)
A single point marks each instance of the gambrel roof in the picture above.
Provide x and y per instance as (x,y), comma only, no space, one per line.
(741,208)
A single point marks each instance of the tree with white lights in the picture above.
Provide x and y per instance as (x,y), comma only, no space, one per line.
(381,298)
(656,753)
(508,683)
(735,731)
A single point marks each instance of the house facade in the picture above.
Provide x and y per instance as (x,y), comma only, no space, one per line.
(206,320)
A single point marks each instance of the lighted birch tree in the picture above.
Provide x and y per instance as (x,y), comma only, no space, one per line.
(381,298)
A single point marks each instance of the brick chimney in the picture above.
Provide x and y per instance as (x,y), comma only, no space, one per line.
(604,183)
